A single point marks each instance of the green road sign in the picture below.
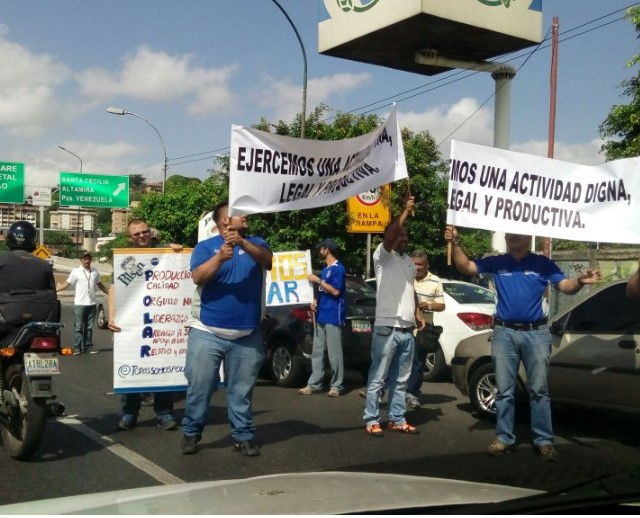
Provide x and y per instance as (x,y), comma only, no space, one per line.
(11,182)
(94,190)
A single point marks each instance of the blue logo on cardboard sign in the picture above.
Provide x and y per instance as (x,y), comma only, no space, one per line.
(155,261)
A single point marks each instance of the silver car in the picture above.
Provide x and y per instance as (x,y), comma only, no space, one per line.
(595,357)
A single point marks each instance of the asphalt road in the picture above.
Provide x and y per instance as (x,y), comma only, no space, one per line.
(84,453)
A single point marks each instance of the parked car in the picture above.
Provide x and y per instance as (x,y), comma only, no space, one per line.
(102,316)
(288,336)
(469,310)
(595,359)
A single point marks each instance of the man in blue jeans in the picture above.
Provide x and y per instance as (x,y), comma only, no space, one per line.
(86,279)
(397,315)
(521,333)
(228,270)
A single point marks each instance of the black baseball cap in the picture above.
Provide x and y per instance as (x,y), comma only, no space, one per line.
(330,244)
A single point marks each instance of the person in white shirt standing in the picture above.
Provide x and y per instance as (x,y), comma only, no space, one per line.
(85,278)
(397,315)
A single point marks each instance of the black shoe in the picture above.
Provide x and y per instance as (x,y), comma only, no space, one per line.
(189,444)
(247,448)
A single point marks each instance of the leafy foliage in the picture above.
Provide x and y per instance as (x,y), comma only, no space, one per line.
(59,243)
(623,121)
(176,212)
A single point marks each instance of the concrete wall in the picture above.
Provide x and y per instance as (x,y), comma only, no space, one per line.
(614,264)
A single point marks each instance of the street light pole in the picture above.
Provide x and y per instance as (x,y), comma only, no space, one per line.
(72,153)
(120,111)
(78,214)
(304,57)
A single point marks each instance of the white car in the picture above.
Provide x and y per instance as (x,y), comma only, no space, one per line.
(469,310)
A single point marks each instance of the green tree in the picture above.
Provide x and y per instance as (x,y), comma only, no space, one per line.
(177,181)
(623,122)
(59,243)
(137,182)
(176,212)
(103,221)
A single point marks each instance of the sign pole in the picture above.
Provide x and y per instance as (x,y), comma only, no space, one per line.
(41,240)
(368,256)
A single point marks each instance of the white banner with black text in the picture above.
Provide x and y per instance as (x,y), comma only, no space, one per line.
(506,191)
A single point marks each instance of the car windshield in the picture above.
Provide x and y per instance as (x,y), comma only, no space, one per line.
(465,293)
(360,293)
(187,128)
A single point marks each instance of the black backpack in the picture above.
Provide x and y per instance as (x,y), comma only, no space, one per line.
(18,307)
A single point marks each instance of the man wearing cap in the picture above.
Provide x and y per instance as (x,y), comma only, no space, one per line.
(85,278)
(330,307)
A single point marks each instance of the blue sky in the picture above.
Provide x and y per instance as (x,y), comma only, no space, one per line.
(195,68)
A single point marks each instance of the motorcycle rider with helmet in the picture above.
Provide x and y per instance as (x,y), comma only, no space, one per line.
(27,279)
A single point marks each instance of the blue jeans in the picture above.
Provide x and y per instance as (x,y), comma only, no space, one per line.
(414,383)
(83,319)
(243,358)
(162,404)
(533,348)
(329,337)
(391,358)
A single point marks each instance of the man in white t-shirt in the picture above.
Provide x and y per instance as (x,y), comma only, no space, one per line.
(397,315)
(85,278)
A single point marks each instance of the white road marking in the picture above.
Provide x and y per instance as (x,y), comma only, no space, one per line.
(140,462)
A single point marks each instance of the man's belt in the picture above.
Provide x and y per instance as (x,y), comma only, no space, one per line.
(520,326)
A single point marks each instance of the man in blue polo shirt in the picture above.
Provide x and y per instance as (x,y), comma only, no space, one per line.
(520,332)
(331,314)
(228,270)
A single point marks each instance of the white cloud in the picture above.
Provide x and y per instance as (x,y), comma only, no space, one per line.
(159,77)
(473,124)
(28,83)
(587,153)
(465,120)
(285,98)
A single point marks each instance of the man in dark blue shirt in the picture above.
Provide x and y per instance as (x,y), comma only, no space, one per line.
(520,332)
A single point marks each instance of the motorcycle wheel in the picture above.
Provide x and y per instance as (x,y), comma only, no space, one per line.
(23,434)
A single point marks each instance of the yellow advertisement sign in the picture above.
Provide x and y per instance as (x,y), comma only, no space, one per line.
(370,212)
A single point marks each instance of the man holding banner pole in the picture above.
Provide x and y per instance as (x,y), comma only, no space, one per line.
(397,314)
(521,333)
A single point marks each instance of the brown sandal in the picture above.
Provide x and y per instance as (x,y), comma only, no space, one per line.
(403,428)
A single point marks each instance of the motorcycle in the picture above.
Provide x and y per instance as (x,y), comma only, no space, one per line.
(29,358)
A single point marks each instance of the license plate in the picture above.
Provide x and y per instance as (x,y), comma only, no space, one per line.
(41,364)
(361,326)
